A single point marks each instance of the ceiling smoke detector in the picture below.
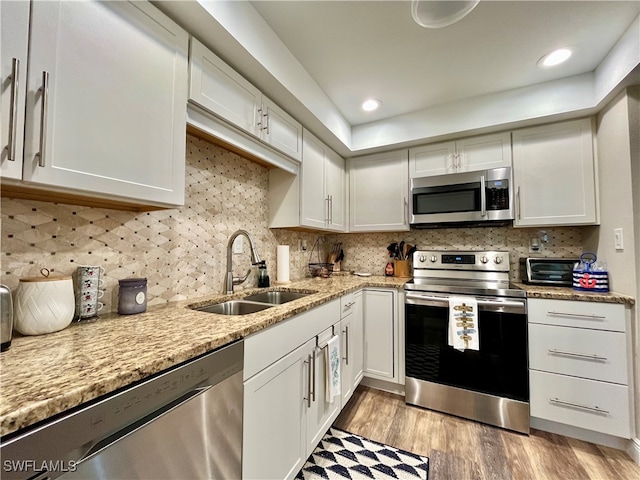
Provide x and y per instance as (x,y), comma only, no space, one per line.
(438,14)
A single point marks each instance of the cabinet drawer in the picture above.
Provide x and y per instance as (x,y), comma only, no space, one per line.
(601,316)
(594,354)
(347,305)
(266,346)
(598,406)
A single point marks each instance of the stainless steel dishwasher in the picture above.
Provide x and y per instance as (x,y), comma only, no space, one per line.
(184,423)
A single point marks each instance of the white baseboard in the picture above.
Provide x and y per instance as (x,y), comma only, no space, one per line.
(383,385)
(590,436)
(634,450)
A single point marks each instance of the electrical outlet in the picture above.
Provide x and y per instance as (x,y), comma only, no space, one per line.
(618,239)
(238,244)
(302,246)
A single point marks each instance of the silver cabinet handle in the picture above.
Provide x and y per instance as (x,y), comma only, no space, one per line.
(43,118)
(349,305)
(308,397)
(313,374)
(518,202)
(331,209)
(594,409)
(346,344)
(326,209)
(483,196)
(266,121)
(590,356)
(577,315)
(406,210)
(13,113)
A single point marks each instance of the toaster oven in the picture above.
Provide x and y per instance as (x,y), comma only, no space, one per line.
(547,271)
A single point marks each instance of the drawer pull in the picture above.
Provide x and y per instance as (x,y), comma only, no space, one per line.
(576,315)
(590,356)
(594,409)
(349,305)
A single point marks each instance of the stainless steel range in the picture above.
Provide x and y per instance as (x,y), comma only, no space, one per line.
(486,380)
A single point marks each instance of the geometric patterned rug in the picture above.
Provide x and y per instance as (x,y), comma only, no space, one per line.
(342,455)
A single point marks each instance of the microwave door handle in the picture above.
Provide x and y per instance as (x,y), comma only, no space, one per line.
(483,197)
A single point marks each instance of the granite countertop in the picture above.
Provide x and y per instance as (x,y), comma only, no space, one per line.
(568,293)
(47,374)
(44,375)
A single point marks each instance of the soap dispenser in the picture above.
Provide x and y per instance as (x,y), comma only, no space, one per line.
(263,276)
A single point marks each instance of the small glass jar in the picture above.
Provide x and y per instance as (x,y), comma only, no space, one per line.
(132,296)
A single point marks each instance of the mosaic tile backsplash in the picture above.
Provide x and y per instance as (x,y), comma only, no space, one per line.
(182,252)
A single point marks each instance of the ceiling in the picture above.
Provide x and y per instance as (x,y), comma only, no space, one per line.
(359,49)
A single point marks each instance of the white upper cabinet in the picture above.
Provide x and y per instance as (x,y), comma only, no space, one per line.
(105,102)
(465,155)
(316,197)
(218,88)
(554,174)
(14,35)
(378,193)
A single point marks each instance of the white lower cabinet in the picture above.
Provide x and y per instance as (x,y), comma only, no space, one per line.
(381,334)
(285,408)
(579,364)
(274,441)
(352,351)
(320,413)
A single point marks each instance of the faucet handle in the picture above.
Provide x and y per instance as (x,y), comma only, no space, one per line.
(239,280)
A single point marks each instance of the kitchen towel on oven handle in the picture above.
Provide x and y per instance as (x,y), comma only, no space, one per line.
(332,369)
(463,323)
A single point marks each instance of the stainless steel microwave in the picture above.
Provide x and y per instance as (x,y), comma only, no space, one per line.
(470,197)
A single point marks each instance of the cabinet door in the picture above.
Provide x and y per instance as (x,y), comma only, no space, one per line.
(351,328)
(274,432)
(313,201)
(379,335)
(335,191)
(113,118)
(483,152)
(14,35)
(281,130)
(321,414)
(378,193)
(553,170)
(215,86)
(434,159)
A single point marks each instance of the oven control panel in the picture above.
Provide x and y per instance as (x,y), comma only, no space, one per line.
(457,260)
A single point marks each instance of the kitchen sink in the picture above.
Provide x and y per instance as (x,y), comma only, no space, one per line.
(234,307)
(276,298)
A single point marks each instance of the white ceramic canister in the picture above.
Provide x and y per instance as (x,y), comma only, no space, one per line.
(43,304)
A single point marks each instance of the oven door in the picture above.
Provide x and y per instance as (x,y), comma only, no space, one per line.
(498,368)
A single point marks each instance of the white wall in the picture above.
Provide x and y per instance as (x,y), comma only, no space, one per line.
(619,182)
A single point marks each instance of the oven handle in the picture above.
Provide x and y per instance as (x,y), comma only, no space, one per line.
(515,306)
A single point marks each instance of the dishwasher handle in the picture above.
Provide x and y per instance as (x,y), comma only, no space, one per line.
(114,438)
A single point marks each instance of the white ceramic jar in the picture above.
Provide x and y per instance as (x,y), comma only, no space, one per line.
(43,304)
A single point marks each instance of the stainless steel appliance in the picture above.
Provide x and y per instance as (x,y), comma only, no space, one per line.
(491,384)
(471,197)
(6,317)
(552,272)
(182,423)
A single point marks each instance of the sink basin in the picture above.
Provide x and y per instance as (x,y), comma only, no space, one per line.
(234,307)
(276,298)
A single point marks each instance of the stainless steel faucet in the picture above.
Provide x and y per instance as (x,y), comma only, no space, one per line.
(255,260)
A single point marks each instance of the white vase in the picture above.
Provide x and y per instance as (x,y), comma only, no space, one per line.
(44,305)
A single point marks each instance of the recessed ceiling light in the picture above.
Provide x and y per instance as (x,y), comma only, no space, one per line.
(555,58)
(371,104)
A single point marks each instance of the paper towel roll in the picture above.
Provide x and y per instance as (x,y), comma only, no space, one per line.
(282,266)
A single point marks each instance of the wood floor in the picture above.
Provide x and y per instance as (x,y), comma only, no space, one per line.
(460,449)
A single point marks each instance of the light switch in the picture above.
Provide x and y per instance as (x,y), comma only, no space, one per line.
(617,239)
